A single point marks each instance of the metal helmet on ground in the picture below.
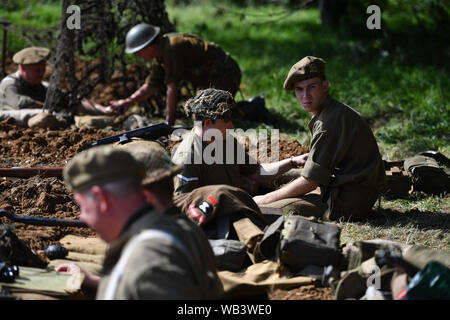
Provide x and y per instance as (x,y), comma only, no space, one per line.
(140,36)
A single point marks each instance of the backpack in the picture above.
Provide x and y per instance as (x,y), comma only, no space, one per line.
(426,175)
(300,243)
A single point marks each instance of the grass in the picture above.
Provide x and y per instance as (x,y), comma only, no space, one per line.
(397,78)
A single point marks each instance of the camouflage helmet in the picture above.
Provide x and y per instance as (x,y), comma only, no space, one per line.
(140,36)
(211,103)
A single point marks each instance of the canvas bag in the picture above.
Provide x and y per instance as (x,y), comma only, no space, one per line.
(299,242)
(427,175)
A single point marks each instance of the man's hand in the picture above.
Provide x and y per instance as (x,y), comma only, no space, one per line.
(119,106)
(299,160)
(261,200)
(90,280)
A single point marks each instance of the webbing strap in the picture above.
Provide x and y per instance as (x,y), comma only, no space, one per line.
(145,235)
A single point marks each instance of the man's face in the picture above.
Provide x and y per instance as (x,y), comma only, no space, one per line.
(89,210)
(148,53)
(32,73)
(220,125)
(311,93)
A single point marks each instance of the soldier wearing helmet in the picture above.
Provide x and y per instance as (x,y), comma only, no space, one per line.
(178,57)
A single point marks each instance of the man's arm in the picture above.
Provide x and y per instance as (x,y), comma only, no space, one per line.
(270,171)
(298,187)
(144,92)
(171,102)
(15,100)
(89,107)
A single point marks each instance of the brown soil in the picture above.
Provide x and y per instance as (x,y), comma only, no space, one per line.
(310,292)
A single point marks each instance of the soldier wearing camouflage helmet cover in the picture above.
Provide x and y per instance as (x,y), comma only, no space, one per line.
(153,252)
(344,160)
(203,151)
(177,57)
(23,93)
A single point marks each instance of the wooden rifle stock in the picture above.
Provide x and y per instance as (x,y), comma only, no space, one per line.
(30,172)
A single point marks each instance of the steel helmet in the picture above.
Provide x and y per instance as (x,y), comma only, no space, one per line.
(140,36)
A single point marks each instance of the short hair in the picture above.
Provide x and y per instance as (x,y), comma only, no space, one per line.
(163,189)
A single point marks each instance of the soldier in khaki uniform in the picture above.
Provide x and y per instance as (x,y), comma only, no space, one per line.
(211,156)
(344,160)
(22,94)
(152,253)
(177,57)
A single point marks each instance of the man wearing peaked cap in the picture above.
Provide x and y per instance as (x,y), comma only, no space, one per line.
(143,229)
(23,93)
(344,160)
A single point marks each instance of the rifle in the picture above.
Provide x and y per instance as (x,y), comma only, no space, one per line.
(41,221)
(29,172)
(151,132)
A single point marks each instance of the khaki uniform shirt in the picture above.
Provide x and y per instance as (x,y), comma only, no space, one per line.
(188,57)
(159,269)
(229,169)
(16,93)
(344,159)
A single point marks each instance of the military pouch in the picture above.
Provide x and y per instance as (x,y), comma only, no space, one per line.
(426,175)
(300,242)
(230,254)
(304,242)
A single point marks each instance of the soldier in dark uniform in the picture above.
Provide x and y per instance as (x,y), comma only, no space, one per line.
(344,160)
(154,252)
(177,57)
(22,94)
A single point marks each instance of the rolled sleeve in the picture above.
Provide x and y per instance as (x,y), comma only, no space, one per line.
(316,172)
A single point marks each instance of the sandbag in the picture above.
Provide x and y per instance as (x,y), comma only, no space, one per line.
(46,282)
(99,122)
(257,279)
(20,117)
(88,253)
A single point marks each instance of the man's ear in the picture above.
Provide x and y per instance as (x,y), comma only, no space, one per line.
(325,85)
(101,197)
(207,123)
(149,196)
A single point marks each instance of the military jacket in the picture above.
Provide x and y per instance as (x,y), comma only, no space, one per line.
(188,57)
(177,265)
(227,167)
(16,93)
(344,158)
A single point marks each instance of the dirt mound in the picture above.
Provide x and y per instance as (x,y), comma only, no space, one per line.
(310,292)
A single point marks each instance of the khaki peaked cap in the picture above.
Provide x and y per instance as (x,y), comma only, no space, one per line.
(307,68)
(211,103)
(31,55)
(101,165)
(155,158)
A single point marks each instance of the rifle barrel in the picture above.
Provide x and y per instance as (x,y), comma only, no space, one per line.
(30,172)
(42,221)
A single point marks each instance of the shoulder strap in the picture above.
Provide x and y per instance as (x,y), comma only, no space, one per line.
(145,235)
